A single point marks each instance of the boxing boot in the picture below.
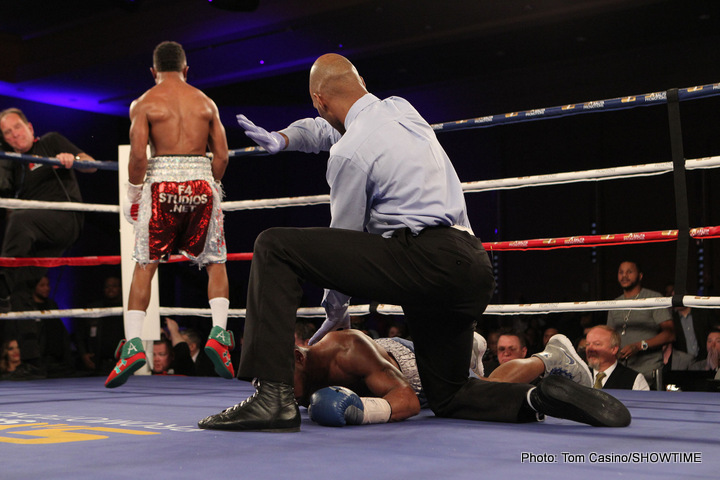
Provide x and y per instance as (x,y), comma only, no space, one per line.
(560,358)
(271,409)
(131,357)
(217,348)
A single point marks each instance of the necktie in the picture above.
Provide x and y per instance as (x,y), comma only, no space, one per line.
(598,380)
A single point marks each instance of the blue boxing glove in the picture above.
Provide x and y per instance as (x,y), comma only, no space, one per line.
(336,407)
(339,406)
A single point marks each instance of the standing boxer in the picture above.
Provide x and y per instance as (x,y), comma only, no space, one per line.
(173,199)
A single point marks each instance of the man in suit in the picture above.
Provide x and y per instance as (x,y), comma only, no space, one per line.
(692,326)
(603,344)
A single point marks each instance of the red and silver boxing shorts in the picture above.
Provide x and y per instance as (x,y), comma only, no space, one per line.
(180,212)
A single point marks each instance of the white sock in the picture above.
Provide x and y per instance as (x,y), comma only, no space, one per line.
(219,307)
(134,321)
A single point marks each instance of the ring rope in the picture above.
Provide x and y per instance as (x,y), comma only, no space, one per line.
(619,103)
(603,305)
(385,309)
(612,104)
(78,164)
(94,260)
(612,173)
(17,204)
(514,245)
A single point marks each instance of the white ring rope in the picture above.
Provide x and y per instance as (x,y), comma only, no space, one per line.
(507,183)
(17,204)
(384,309)
(612,173)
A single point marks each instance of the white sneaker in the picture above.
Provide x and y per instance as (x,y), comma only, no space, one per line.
(478,351)
(560,358)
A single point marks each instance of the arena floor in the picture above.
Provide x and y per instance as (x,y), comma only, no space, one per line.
(77,429)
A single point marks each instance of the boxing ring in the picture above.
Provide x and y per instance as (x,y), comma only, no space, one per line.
(672,435)
(75,428)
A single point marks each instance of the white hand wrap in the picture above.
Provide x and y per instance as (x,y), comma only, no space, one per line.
(134,192)
(375,410)
(130,208)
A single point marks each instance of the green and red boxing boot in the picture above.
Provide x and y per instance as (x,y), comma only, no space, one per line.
(131,356)
(218,346)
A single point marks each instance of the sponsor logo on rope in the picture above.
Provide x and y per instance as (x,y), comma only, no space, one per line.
(634,236)
(650,97)
(484,119)
(519,243)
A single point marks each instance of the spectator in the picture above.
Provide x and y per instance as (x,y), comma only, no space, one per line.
(36,233)
(692,326)
(397,329)
(713,349)
(44,342)
(96,339)
(603,345)
(511,346)
(643,333)
(12,367)
(186,357)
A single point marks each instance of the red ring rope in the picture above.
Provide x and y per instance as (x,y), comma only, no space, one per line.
(88,261)
(515,245)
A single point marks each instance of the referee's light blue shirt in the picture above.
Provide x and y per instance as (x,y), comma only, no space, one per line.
(387,172)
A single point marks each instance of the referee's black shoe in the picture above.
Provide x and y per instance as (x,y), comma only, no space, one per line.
(271,409)
(560,397)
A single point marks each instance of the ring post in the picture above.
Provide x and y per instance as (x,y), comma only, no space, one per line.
(151,328)
(681,200)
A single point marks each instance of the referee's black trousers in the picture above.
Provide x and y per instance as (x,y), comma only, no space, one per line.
(442,278)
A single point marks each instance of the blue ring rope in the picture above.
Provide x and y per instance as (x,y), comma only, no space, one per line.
(619,103)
